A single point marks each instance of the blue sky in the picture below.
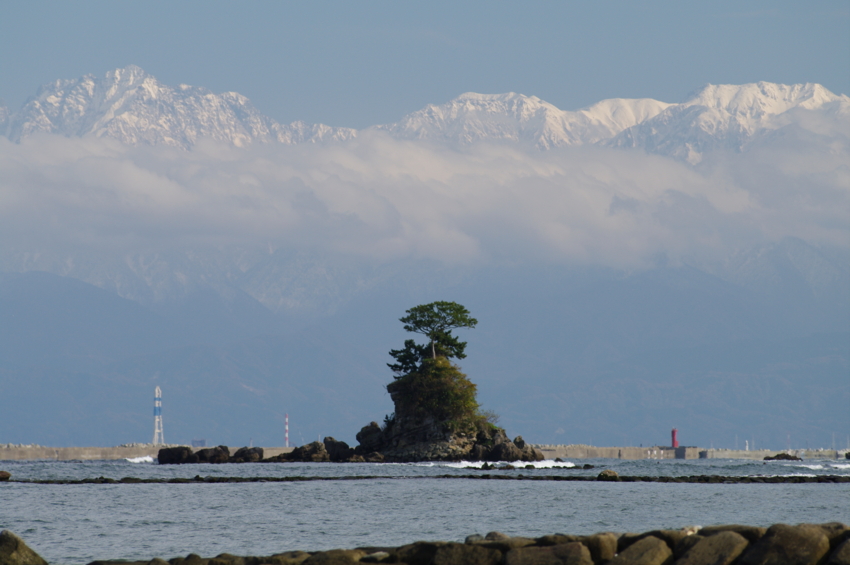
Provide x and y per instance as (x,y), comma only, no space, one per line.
(361,63)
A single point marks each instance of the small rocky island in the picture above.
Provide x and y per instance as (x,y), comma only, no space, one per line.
(436,418)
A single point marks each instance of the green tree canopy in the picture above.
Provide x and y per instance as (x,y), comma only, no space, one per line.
(436,321)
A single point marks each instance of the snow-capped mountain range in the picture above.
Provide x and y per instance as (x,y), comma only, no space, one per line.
(133,107)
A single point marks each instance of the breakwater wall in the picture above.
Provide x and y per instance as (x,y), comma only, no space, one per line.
(592,452)
(730,544)
(762,453)
(25,453)
(667,452)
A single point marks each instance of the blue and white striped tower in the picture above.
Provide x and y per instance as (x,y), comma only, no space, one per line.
(157,417)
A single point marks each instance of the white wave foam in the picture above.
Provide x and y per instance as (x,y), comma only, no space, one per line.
(546,464)
(812,467)
(840,465)
(142,459)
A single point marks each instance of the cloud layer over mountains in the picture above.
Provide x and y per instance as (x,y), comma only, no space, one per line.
(382,199)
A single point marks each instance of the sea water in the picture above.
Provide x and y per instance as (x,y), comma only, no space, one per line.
(402,503)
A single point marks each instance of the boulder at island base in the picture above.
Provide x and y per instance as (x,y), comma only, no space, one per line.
(247,455)
(176,455)
(220,454)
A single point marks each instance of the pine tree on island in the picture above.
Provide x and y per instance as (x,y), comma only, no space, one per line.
(436,321)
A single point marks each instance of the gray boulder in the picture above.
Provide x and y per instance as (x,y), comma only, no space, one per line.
(314,452)
(572,553)
(176,455)
(720,549)
(506,451)
(337,450)
(789,545)
(478,453)
(370,438)
(13,551)
(247,455)
(647,551)
(841,555)
(531,454)
(752,533)
(220,454)
(452,553)
(602,546)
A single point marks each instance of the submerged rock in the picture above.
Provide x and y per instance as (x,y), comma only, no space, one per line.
(782,457)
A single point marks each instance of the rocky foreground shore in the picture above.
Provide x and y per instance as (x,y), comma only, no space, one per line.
(781,544)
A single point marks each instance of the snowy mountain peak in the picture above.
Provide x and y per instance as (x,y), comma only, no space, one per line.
(761,98)
(133,107)
(723,117)
(516,117)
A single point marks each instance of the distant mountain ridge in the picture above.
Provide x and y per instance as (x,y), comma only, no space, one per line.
(134,108)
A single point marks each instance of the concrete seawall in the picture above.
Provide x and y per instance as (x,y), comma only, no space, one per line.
(762,453)
(101,453)
(591,452)
(666,452)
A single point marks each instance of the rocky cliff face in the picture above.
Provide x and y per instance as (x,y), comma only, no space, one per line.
(413,437)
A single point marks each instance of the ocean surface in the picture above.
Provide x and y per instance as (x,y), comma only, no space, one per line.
(76,524)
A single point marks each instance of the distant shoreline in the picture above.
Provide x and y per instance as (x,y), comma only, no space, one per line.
(130,451)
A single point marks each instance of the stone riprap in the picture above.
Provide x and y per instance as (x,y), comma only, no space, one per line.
(780,544)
